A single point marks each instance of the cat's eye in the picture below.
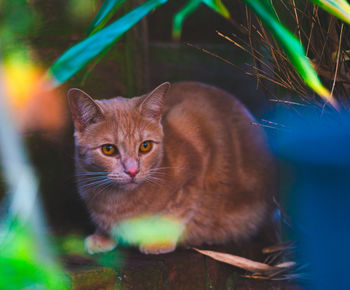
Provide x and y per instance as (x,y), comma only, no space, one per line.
(109,149)
(146,146)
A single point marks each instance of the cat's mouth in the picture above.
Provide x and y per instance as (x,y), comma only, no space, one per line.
(125,183)
(128,185)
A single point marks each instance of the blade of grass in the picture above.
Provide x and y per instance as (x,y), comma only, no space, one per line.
(104,14)
(77,57)
(218,6)
(180,16)
(339,8)
(190,7)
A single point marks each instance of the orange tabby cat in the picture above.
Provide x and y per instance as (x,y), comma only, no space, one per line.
(186,151)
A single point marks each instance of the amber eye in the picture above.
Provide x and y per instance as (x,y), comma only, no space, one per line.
(145,146)
(109,150)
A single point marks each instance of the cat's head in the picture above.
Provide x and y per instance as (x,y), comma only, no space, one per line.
(119,142)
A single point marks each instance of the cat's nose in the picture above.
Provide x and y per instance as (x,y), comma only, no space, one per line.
(132,171)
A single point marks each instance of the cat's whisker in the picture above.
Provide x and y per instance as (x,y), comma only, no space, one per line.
(105,186)
(85,182)
(94,183)
(151,181)
(160,174)
(115,176)
(91,173)
(169,167)
(164,169)
(92,177)
(154,180)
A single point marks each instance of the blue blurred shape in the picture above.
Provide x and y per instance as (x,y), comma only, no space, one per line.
(315,153)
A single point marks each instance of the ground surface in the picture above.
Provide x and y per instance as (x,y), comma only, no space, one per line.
(127,268)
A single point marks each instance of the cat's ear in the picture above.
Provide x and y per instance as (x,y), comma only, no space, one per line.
(152,105)
(85,110)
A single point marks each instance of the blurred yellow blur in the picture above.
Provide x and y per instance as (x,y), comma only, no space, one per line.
(36,107)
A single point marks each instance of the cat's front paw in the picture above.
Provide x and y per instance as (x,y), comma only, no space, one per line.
(158,248)
(98,244)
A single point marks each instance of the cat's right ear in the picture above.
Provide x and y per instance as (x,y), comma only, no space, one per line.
(85,110)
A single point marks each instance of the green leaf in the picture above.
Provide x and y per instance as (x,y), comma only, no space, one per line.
(145,230)
(104,14)
(218,6)
(77,57)
(339,8)
(190,7)
(22,262)
(291,46)
(180,16)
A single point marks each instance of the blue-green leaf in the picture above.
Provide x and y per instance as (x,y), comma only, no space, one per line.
(190,7)
(104,14)
(76,57)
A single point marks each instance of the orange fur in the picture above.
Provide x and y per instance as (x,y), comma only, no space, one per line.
(216,173)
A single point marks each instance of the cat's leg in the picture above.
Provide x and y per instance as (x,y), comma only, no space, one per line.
(99,243)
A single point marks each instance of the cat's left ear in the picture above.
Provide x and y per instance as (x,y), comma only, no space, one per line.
(152,105)
(85,110)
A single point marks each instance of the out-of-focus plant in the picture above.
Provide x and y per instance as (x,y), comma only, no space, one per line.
(29,96)
(102,37)
(25,254)
(27,92)
(26,259)
(144,230)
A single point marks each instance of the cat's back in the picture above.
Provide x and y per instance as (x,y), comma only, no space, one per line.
(196,96)
(201,110)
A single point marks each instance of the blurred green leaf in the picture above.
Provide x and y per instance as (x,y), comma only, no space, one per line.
(76,57)
(339,8)
(70,245)
(18,20)
(21,263)
(218,6)
(180,16)
(190,7)
(148,230)
(104,14)
(291,46)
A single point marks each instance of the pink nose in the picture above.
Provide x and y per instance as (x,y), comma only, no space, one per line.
(132,171)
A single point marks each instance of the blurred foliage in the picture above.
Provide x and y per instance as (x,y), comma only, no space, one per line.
(81,10)
(105,13)
(17,21)
(73,244)
(191,7)
(22,264)
(75,58)
(145,230)
(78,56)
(70,244)
(26,260)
